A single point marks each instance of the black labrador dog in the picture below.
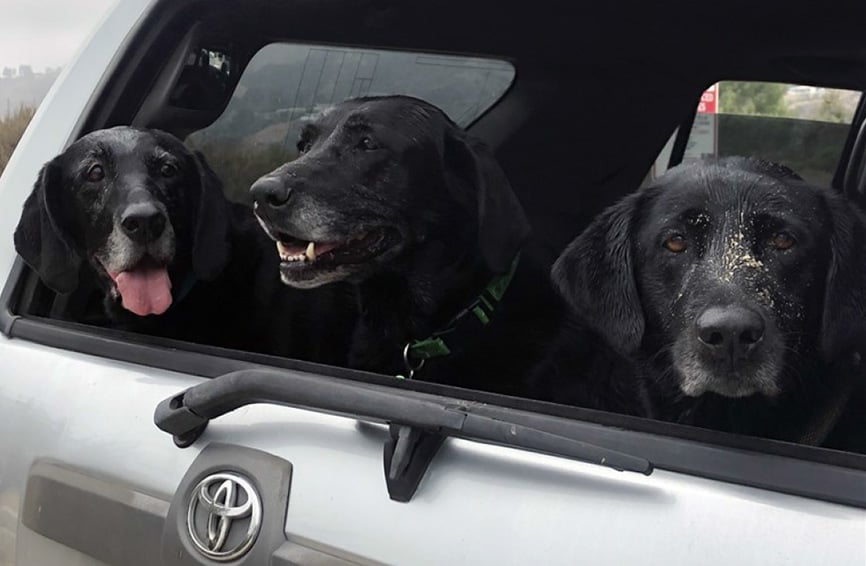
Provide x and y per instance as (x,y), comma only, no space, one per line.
(138,217)
(731,295)
(390,195)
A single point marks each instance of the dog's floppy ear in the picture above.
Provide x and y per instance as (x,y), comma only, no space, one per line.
(843,327)
(595,274)
(502,224)
(211,248)
(39,237)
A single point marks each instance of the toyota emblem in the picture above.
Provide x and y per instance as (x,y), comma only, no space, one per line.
(225,516)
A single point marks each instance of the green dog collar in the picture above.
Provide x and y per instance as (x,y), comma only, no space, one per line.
(468,321)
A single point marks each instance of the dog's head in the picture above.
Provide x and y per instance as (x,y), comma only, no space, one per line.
(136,207)
(733,272)
(377,179)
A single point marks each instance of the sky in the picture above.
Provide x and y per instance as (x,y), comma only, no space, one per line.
(46,33)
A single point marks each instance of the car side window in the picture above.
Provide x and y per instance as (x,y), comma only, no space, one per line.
(285,85)
(803,127)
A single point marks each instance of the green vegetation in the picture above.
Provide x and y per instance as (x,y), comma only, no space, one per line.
(753,98)
(832,109)
(11,129)
(811,148)
(238,164)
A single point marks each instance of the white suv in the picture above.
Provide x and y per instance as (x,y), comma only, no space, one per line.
(330,466)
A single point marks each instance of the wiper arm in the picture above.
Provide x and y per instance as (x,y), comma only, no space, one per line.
(419,421)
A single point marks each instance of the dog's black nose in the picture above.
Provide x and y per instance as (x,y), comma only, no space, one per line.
(143,222)
(271,191)
(730,332)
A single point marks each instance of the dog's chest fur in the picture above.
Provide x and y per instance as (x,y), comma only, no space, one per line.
(496,357)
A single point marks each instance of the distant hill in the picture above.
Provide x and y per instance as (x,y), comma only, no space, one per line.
(24,90)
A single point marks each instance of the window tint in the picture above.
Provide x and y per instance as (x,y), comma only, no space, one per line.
(803,127)
(285,84)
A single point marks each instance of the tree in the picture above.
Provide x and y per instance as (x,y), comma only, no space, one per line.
(832,109)
(11,129)
(753,98)
(8,72)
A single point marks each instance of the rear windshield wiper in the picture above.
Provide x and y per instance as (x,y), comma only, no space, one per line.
(419,421)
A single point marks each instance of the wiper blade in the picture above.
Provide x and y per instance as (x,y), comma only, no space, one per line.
(420,421)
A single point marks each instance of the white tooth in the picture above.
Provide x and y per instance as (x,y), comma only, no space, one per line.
(311,251)
(281,249)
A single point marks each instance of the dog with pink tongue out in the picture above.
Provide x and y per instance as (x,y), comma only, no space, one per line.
(137,208)
(132,218)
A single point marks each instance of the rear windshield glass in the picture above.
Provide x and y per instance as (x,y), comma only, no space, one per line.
(285,84)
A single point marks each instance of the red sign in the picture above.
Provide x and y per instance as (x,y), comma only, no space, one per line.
(709,99)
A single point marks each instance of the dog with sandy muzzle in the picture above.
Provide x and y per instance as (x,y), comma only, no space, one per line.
(731,295)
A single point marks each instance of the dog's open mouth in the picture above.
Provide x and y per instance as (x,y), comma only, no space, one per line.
(145,288)
(300,257)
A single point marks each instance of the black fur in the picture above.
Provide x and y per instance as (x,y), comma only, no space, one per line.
(40,238)
(222,270)
(424,218)
(795,312)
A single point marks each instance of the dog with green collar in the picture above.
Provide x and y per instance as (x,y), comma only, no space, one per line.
(390,195)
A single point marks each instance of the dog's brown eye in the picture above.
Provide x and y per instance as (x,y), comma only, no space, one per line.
(367,144)
(168,170)
(676,243)
(95,174)
(783,241)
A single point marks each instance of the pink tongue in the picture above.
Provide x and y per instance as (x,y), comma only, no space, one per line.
(145,290)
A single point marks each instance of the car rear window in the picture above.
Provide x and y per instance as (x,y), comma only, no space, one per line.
(285,84)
